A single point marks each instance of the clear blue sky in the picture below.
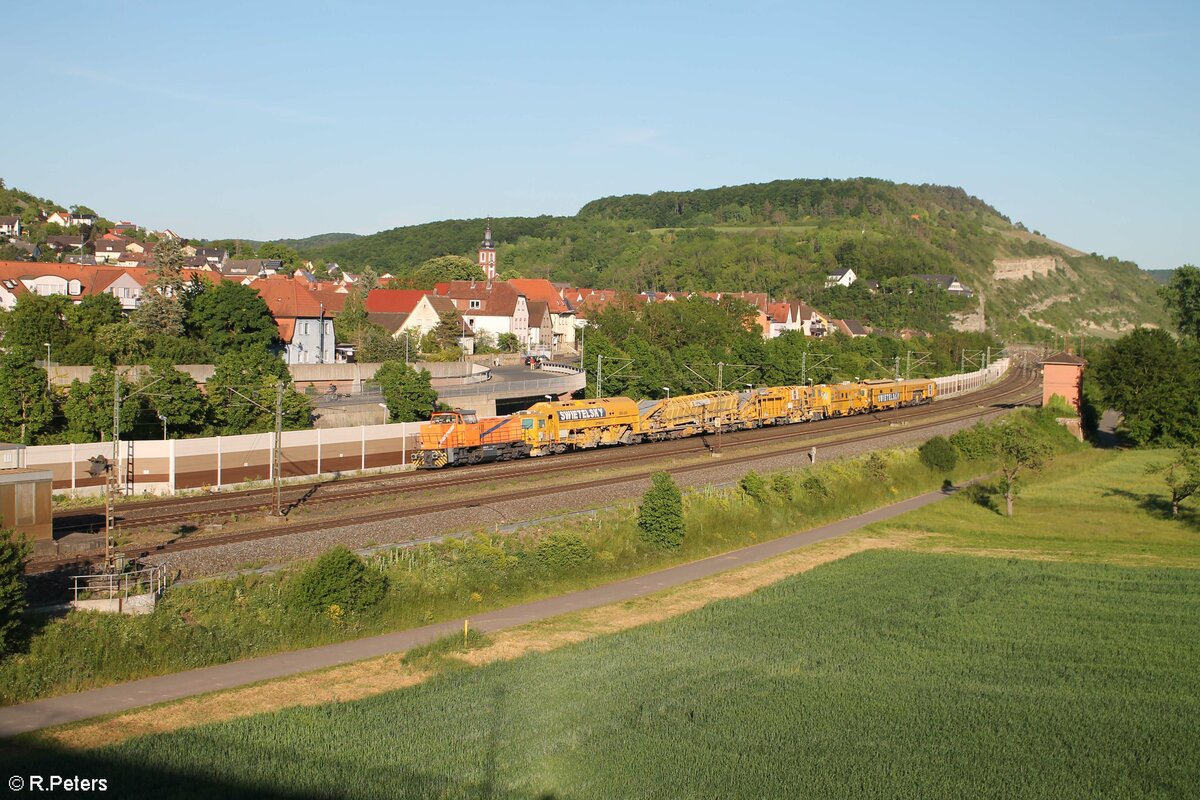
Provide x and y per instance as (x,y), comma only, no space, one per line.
(286,120)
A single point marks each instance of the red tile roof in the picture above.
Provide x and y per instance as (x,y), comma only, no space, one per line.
(542,290)
(394,301)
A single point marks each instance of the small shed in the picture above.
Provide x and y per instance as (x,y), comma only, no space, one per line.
(1062,375)
(25,503)
(12,456)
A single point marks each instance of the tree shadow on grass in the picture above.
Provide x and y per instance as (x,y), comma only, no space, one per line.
(986,495)
(1158,506)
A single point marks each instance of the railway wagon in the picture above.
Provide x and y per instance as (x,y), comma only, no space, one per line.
(776,405)
(844,399)
(886,394)
(454,438)
(555,427)
(690,414)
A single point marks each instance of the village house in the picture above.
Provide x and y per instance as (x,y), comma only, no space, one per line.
(949,283)
(109,251)
(841,277)
(850,327)
(497,308)
(562,313)
(71,280)
(305,324)
(10,226)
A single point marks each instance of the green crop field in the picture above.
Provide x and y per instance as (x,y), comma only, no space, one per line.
(887,674)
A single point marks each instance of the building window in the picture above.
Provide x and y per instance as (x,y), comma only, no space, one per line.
(304,329)
(474,304)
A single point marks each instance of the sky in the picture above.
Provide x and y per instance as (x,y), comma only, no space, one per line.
(263,120)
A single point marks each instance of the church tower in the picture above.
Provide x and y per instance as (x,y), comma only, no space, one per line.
(487,254)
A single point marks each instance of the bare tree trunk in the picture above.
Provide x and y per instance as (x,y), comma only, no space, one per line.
(1008,498)
(1174,506)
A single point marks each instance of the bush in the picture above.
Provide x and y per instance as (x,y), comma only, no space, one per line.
(753,486)
(563,551)
(339,577)
(975,443)
(782,485)
(12,585)
(876,468)
(660,517)
(938,454)
(814,485)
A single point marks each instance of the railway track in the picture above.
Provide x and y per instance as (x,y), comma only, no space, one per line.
(796,438)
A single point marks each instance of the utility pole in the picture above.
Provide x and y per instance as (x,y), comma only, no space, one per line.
(321,339)
(600,376)
(720,387)
(277,450)
(897,368)
(803,367)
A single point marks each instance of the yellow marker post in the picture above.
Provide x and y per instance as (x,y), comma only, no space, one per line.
(465,624)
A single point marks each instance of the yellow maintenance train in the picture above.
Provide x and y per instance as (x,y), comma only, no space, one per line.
(454,438)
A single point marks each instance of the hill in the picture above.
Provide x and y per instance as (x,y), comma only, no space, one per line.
(1161,275)
(784,237)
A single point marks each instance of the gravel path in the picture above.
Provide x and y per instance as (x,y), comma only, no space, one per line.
(498,512)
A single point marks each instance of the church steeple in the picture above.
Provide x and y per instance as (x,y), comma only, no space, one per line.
(487,254)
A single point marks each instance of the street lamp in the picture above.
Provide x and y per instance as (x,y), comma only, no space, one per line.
(47,368)
(667,389)
(164,422)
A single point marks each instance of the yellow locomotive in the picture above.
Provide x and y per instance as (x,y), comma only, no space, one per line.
(455,438)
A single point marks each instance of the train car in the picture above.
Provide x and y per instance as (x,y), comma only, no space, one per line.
(555,427)
(690,414)
(887,394)
(844,399)
(776,405)
(454,438)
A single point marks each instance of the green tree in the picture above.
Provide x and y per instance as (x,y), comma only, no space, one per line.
(89,406)
(37,319)
(352,322)
(754,486)
(1182,476)
(660,516)
(172,395)
(25,407)
(447,332)
(1020,447)
(231,317)
(13,552)
(242,392)
(161,309)
(275,250)
(938,454)
(445,268)
(339,577)
(1182,298)
(508,343)
(1153,382)
(84,321)
(409,395)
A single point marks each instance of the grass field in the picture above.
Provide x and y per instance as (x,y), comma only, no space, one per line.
(1094,505)
(887,674)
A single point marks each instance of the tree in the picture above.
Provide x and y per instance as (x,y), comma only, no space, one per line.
(12,585)
(448,330)
(1182,298)
(660,516)
(1019,447)
(89,406)
(508,343)
(172,395)
(84,323)
(1153,382)
(938,454)
(37,319)
(445,268)
(231,317)
(161,309)
(1182,476)
(25,407)
(409,395)
(242,391)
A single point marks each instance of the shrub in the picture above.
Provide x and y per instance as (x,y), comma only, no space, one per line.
(339,577)
(563,551)
(876,468)
(660,517)
(814,485)
(754,486)
(782,485)
(12,585)
(975,443)
(938,454)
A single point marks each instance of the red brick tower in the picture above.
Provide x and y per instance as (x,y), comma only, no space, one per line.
(487,255)
(1062,375)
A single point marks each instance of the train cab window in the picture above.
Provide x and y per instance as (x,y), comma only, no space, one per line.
(470,418)
(541,423)
(527,424)
(444,419)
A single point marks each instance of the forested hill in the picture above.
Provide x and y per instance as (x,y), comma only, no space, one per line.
(785,237)
(779,202)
